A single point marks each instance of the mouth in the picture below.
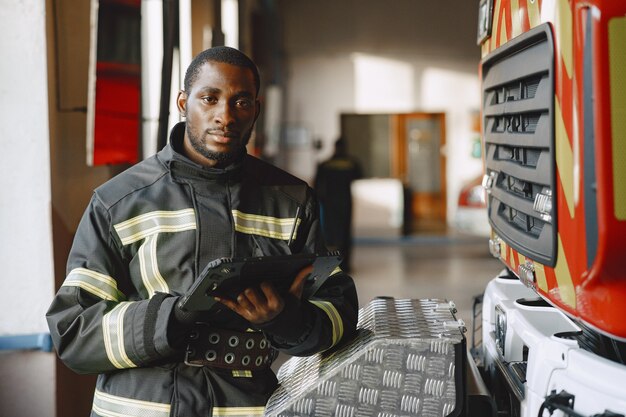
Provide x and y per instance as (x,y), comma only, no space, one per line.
(221,136)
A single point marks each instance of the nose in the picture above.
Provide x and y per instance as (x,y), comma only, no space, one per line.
(224,114)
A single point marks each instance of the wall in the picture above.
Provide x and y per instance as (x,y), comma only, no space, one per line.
(324,39)
(68,35)
(68,66)
(25,221)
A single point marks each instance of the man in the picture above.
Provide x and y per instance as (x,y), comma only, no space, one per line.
(146,235)
(333,187)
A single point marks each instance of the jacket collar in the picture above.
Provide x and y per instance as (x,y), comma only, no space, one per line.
(183,168)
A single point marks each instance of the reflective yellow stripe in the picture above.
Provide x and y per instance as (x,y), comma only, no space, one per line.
(503,38)
(494,28)
(113,333)
(276,228)
(563,26)
(147,224)
(617,62)
(484,49)
(148,265)
(340,164)
(335,319)
(564,278)
(516,19)
(504,250)
(336,271)
(108,405)
(242,374)
(564,157)
(534,15)
(98,284)
(238,411)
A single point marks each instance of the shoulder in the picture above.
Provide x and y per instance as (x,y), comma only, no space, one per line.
(268,174)
(269,177)
(137,177)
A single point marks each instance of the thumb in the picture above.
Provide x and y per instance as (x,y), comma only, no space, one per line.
(297,286)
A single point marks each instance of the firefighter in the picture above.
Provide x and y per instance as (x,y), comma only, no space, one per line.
(332,184)
(147,233)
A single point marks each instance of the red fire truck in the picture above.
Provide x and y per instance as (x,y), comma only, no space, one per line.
(554,133)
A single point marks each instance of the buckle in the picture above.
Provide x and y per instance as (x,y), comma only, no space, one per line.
(189,351)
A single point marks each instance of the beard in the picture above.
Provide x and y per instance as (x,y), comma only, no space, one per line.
(221,158)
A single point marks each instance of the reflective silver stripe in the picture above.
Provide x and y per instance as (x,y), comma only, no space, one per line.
(147,224)
(148,265)
(108,405)
(113,332)
(255,224)
(98,284)
(334,316)
(238,411)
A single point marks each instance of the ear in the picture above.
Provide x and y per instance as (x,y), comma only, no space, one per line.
(181,103)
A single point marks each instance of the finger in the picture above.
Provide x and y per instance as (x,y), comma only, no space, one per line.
(261,311)
(255,297)
(229,303)
(274,300)
(244,301)
(298,283)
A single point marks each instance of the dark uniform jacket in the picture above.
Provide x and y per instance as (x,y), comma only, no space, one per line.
(145,236)
(333,183)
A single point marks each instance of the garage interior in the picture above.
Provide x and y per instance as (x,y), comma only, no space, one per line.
(394,77)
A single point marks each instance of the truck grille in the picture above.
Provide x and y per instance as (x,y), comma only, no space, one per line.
(518,131)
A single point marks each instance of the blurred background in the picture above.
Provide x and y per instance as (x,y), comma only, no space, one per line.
(87,89)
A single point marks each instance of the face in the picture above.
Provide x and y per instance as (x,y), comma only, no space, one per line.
(220,112)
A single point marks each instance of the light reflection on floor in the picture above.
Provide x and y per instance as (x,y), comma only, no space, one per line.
(451,268)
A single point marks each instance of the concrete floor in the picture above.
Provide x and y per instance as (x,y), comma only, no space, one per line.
(450,267)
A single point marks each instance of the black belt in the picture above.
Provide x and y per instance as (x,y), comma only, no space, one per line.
(228,349)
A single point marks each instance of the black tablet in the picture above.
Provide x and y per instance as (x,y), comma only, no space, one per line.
(228,277)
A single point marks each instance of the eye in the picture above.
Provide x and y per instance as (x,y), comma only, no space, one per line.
(208,99)
(244,103)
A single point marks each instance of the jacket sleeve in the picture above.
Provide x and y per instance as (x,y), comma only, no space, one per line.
(306,327)
(96,320)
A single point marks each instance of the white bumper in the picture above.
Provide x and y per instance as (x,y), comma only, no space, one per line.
(553,363)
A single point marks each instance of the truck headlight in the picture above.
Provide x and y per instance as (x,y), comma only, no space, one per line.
(494,247)
(500,331)
(489,181)
(543,204)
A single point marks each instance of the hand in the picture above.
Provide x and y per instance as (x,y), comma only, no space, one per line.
(262,304)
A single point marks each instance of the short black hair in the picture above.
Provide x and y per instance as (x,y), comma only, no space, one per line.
(223,54)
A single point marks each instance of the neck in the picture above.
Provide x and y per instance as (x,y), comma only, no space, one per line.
(191,153)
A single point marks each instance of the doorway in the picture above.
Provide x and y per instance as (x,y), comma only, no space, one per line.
(407,147)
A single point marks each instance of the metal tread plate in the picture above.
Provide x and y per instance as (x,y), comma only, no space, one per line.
(403,362)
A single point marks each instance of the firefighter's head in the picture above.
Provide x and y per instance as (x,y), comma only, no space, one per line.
(223,54)
(220,104)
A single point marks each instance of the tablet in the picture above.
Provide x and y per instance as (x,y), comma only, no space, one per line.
(228,277)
